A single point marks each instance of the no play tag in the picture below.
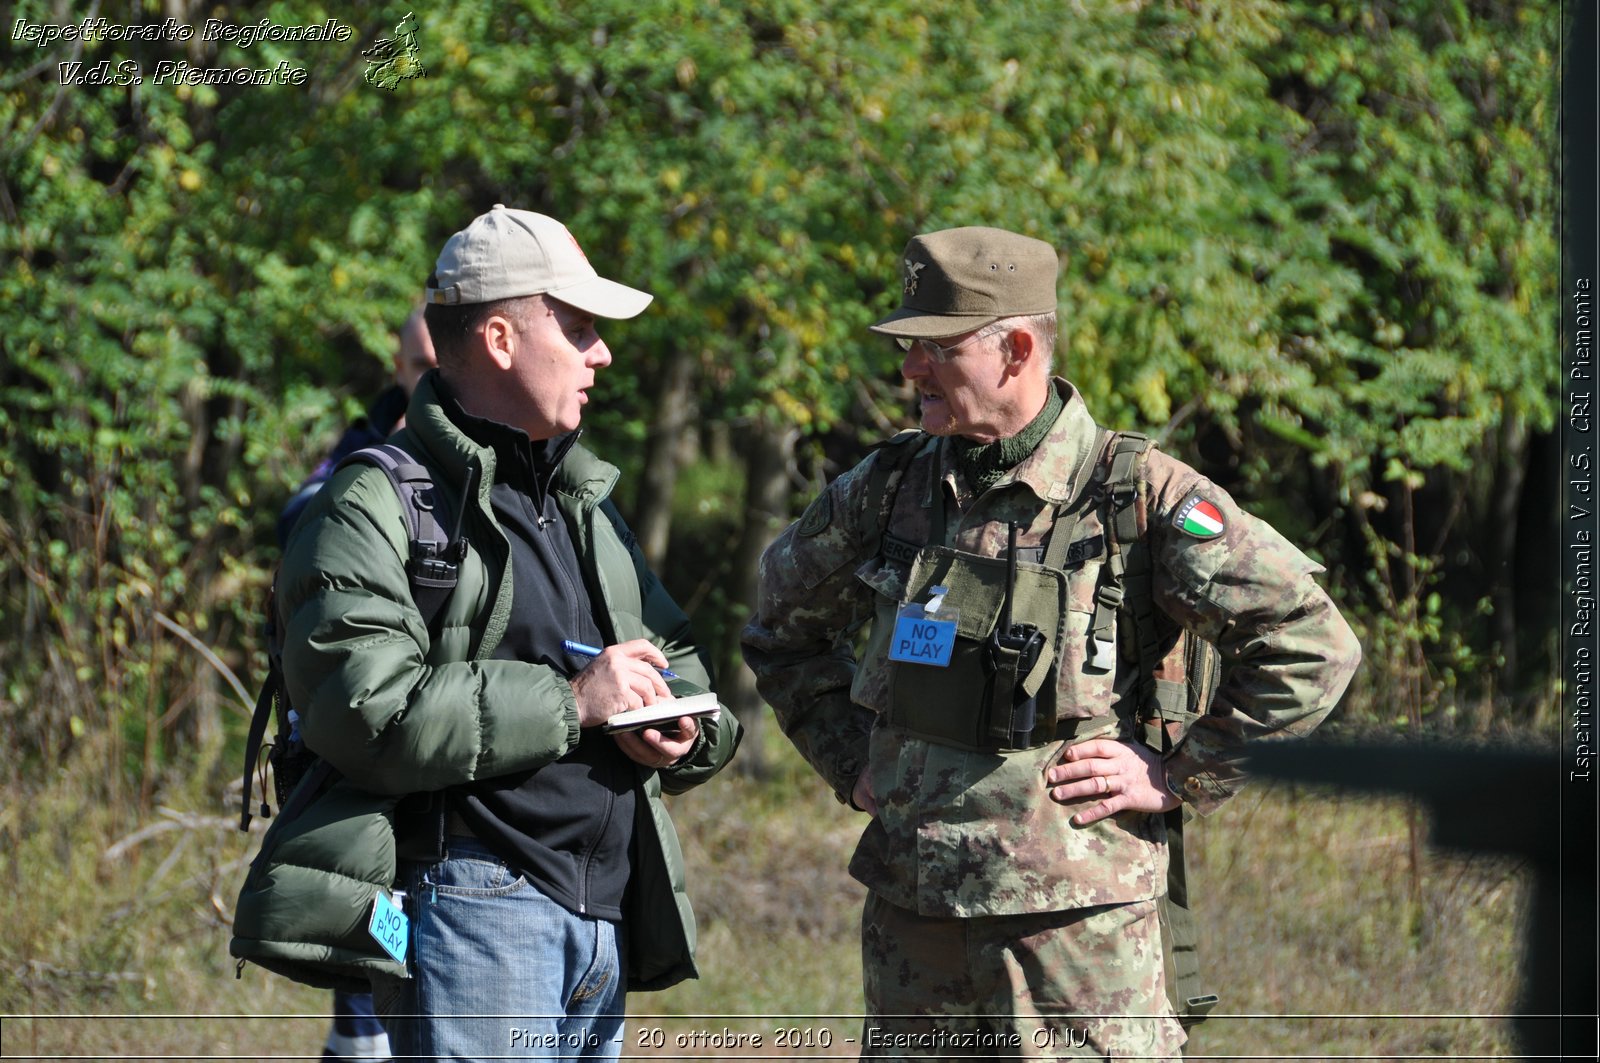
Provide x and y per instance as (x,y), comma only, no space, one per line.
(389,927)
(921,639)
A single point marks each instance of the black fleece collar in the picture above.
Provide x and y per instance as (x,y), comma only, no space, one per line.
(524,463)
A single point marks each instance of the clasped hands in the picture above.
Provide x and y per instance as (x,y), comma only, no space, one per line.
(627,676)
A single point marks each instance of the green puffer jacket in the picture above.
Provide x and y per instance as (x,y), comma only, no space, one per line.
(398,712)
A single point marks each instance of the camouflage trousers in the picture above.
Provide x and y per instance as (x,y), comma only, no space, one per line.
(1082,984)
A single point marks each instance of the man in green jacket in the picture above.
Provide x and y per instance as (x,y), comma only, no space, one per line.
(556,880)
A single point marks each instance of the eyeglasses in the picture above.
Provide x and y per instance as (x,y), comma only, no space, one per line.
(936,353)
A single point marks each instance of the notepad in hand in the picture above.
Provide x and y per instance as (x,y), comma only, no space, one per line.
(664,712)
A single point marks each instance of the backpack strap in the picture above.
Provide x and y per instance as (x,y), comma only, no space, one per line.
(1119,492)
(435,559)
(1161,699)
(433,568)
(1165,703)
(265,710)
(272,696)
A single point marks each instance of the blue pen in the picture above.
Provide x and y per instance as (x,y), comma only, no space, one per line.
(584,650)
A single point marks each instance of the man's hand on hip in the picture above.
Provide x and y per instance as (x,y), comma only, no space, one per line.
(1125,775)
(861,796)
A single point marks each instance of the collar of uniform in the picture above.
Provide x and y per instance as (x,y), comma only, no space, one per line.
(1057,469)
(985,464)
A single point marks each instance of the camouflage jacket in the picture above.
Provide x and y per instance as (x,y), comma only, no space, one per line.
(961,833)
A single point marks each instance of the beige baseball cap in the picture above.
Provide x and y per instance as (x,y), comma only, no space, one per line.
(508,252)
(955,280)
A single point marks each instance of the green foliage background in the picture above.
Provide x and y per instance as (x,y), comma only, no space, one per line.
(1313,244)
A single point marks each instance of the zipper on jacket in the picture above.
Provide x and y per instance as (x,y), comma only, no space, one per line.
(573,586)
(588,853)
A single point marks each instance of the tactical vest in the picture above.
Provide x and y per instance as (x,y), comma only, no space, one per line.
(937,704)
(1176,672)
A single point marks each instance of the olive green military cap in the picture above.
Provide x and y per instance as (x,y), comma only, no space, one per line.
(956,280)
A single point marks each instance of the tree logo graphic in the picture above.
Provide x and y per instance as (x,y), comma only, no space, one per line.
(392,60)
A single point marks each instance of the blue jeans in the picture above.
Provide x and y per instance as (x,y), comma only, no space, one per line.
(499,970)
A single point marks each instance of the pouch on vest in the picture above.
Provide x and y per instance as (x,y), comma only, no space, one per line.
(968,704)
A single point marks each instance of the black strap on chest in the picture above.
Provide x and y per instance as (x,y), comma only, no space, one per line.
(1119,494)
(1129,573)
(1118,491)
(434,560)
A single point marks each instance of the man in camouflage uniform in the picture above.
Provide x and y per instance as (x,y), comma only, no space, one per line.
(1014,876)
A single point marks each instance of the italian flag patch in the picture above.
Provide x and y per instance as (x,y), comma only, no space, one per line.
(1199,517)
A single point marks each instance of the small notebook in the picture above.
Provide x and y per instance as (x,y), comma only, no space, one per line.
(664,711)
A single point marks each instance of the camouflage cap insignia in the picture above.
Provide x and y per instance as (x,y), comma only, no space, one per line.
(817,517)
(1199,517)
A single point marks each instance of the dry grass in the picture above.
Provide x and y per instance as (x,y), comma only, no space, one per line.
(1309,933)
(1311,936)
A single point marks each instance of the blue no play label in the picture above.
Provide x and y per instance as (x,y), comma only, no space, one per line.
(389,927)
(919,640)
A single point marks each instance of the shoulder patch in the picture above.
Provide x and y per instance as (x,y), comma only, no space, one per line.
(1198,516)
(817,517)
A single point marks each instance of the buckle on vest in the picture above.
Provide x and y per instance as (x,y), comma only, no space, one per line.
(1102,655)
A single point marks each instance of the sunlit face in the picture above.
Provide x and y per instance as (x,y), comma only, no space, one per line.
(558,354)
(964,387)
